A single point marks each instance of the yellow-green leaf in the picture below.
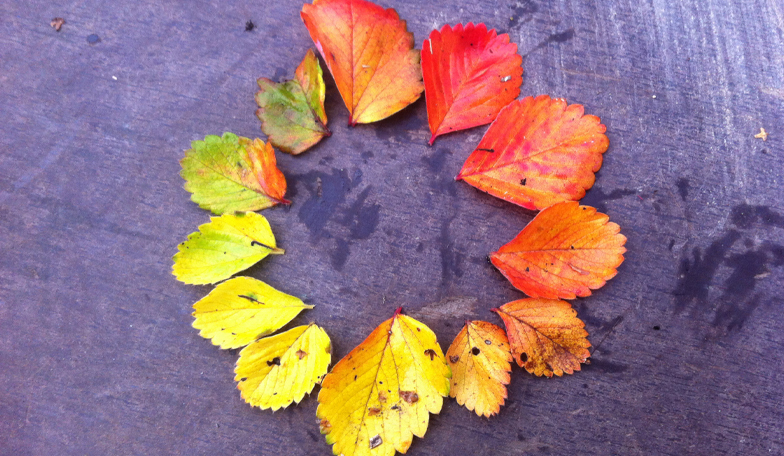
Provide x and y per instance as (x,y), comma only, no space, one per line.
(232,174)
(240,310)
(292,113)
(378,397)
(275,371)
(227,245)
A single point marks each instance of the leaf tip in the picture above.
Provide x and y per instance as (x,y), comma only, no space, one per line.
(398,311)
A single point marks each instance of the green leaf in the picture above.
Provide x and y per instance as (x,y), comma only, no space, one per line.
(240,310)
(292,113)
(228,244)
(232,174)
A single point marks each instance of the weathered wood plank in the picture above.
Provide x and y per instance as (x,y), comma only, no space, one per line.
(98,356)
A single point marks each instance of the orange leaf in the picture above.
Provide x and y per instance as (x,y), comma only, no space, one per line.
(470,74)
(370,55)
(479,357)
(538,152)
(567,250)
(545,335)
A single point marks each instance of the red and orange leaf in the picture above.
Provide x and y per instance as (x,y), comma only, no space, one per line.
(566,251)
(479,357)
(538,152)
(370,54)
(545,335)
(470,74)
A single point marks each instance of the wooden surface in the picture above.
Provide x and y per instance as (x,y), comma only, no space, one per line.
(97,355)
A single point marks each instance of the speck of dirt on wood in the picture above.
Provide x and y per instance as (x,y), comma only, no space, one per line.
(249,26)
(57,23)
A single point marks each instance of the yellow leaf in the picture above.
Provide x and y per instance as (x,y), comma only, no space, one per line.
(378,397)
(240,310)
(479,357)
(227,245)
(275,371)
(545,335)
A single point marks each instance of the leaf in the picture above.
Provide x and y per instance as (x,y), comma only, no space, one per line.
(469,75)
(479,357)
(292,113)
(275,371)
(370,55)
(379,395)
(566,251)
(538,152)
(228,244)
(240,310)
(232,174)
(545,335)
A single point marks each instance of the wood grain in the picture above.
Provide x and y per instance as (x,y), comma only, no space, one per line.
(98,355)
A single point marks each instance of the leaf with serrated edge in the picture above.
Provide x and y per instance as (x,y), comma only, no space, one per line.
(227,245)
(240,310)
(545,335)
(370,54)
(538,152)
(479,357)
(470,74)
(566,251)
(276,371)
(232,174)
(292,113)
(378,397)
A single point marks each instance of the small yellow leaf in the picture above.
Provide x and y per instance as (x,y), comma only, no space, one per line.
(240,310)
(479,357)
(275,371)
(378,397)
(227,245)
(545,335)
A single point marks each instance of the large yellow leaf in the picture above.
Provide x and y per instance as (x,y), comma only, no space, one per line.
(275,371)
(545,335)
(227,245)
(378,397)
(242,309)
(479,357)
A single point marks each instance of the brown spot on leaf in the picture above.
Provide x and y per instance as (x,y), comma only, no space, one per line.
(523,357)
(488,342)
(301,354)
(382,397)
(275,361)
(375,441)
(325,426)
(431,353)
(409,396)
(454,358)
(475,351)
(373,411)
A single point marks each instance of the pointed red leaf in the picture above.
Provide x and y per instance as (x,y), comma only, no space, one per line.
(538,152)
(470,74)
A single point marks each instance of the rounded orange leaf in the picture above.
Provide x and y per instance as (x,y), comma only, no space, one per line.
(566,251)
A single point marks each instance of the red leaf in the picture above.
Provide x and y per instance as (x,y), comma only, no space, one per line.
(538,152)
(469,74)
